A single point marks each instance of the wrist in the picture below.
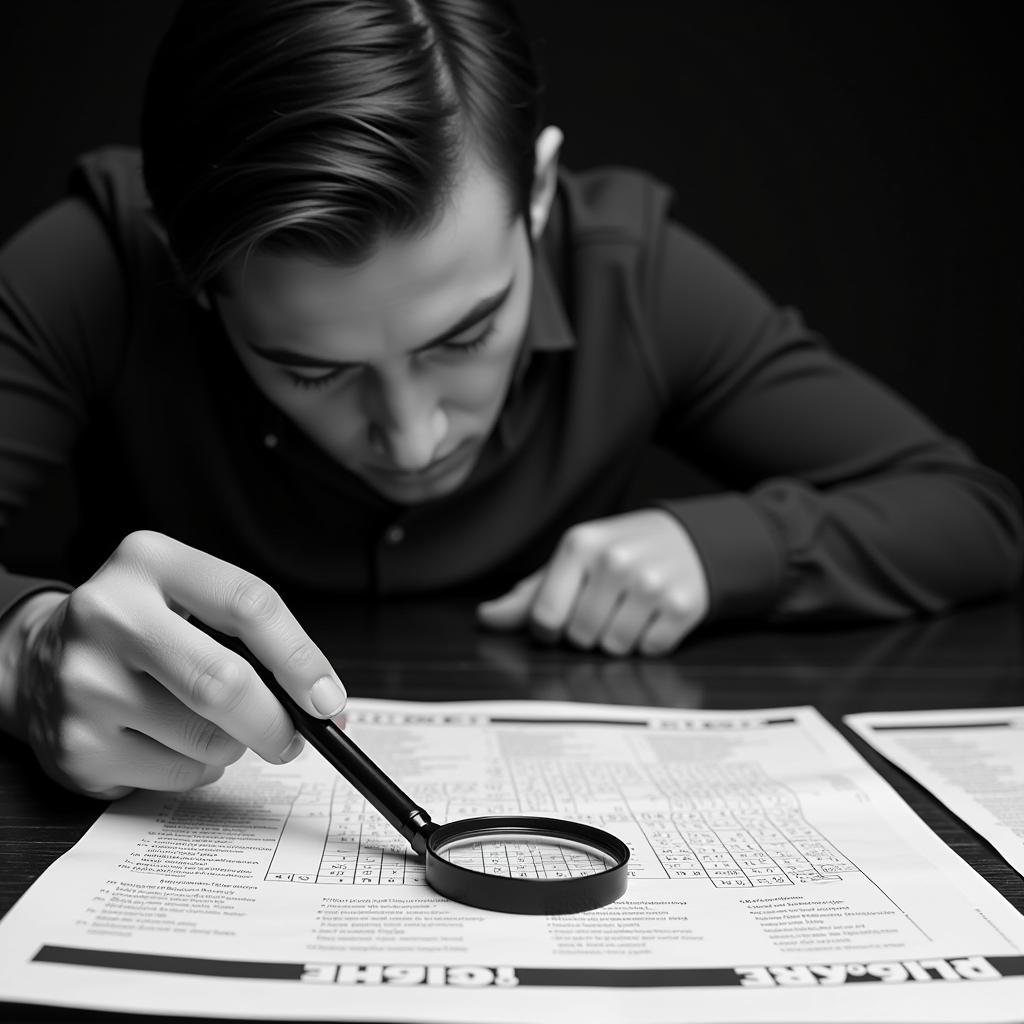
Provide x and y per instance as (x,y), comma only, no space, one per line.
(742,555)
(19,627)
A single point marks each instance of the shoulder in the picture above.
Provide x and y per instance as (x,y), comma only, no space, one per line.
(109,181)
(613,204)
(74,267)
(607,223)
(625,217)
(622,258)
(110,178)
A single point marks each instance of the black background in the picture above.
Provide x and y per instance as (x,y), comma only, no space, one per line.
(856,159)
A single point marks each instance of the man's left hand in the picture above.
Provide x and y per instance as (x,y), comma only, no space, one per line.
(629,583)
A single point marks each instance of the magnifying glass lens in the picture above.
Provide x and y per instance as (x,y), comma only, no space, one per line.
(514,856)
(525,865)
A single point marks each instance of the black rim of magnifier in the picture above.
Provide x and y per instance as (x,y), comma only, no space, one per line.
(488,892)
(527,895)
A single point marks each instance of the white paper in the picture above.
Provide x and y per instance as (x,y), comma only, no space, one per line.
(971,760)
(775,876)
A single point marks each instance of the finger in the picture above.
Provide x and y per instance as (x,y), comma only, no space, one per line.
(150,765)
(215,683)
(511,610)
(564,576)
(596,601)
(113,697)
(671,623)
(628,622)
(154,711)
(106,767)
(242,605)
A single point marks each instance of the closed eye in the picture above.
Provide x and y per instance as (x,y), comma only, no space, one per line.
(302,381)
(461,347)
(467,345)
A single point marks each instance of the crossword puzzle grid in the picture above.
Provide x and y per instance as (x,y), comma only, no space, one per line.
(734,826)
(728,824)
(332,836)
(738,850)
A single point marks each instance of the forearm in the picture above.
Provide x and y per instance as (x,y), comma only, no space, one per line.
(918,541)
(921,538)
(18,627)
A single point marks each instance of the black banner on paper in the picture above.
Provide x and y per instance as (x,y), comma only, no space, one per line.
(761,976)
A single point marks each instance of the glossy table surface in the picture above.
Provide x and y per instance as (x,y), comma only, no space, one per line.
(433,651)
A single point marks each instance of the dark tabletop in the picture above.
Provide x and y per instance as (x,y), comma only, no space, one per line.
(433,651)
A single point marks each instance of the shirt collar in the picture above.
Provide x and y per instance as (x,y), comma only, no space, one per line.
(548,332)
(547,328)
(547,324)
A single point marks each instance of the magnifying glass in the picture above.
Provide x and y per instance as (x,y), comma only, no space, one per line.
(513,863)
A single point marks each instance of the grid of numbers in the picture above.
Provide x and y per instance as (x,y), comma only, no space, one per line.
(729,825)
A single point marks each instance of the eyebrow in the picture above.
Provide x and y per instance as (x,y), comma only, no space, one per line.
(487,306)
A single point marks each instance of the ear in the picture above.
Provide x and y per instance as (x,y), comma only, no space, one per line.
(545,178)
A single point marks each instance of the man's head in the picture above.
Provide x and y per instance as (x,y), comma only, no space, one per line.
(322,126)
(346,183)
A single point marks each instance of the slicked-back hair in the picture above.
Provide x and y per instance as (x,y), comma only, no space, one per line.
(321,127)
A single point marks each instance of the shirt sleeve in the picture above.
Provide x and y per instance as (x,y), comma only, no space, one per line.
(842,501)
(62,320)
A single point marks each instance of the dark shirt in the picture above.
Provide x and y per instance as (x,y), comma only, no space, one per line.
(838,500)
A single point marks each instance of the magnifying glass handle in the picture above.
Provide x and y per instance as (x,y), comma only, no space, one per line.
(408,818)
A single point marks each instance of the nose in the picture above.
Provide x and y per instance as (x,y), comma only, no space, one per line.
(406,420)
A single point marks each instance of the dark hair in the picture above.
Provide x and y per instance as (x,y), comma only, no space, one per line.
(321,126)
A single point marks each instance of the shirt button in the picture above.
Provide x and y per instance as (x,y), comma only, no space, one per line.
(394,535)
(270,440)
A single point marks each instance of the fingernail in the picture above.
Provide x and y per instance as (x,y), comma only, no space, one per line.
(328,696)
(293,749)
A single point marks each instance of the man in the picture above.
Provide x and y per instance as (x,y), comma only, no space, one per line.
(358,334)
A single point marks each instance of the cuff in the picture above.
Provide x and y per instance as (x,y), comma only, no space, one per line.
(14,589)
(742,555)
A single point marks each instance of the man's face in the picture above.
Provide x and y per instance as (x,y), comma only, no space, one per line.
(397,367)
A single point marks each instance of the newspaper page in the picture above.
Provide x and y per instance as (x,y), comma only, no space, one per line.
(774,877)
(971,760)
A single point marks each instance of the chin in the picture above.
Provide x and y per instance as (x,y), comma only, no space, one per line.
(413,491)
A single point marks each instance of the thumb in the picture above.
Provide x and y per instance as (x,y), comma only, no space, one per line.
(511,610)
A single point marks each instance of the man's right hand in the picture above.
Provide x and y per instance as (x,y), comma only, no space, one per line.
(116,689)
